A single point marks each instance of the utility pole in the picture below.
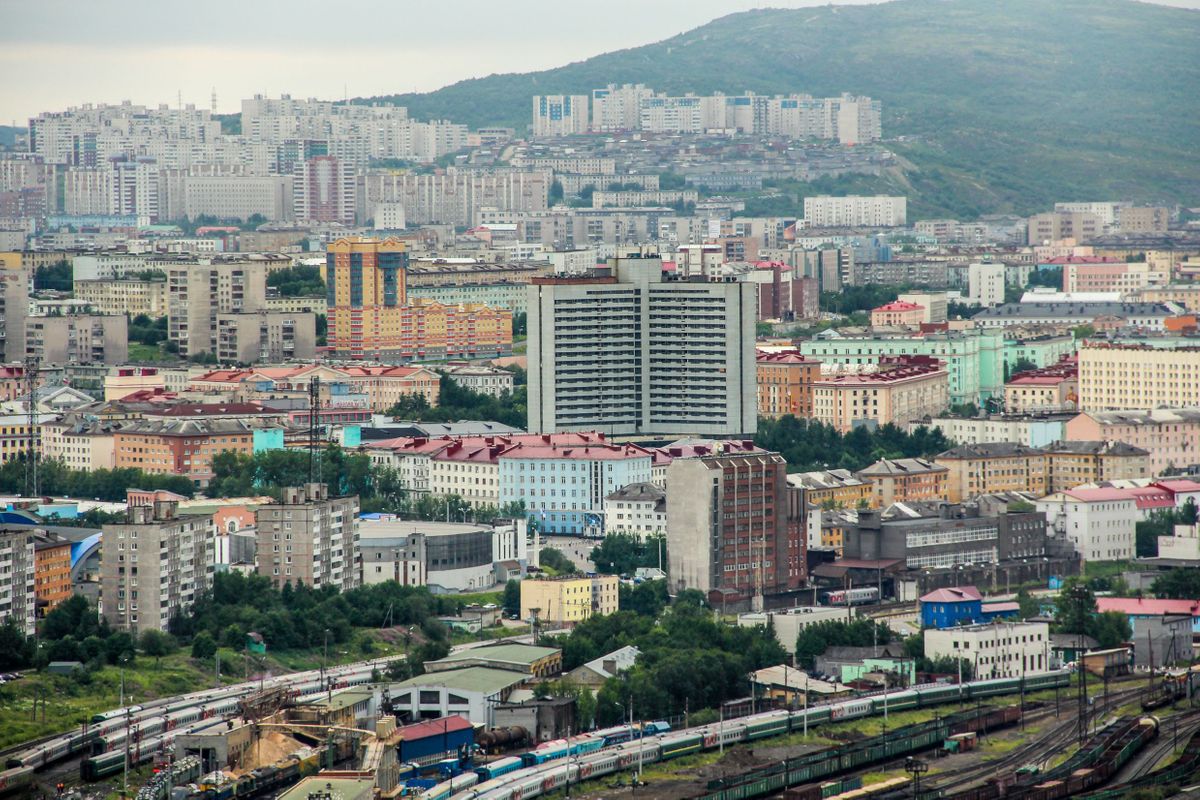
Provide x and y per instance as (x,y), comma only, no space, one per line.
(33,450)
(1079,594)
(324,661)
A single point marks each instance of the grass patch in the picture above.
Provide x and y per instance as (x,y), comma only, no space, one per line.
(144,352)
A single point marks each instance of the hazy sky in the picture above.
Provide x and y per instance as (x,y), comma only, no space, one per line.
(59,53)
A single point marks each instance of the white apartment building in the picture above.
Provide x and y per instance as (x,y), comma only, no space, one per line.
(238,196)
(855,211)
(133,297)
(637,352)
(560,115)
(18,601)
(985,284)
(154,565)
(618,108)
(638,509)
(1102,523)
(324,191)
(1108,212)
(134,187)
(455,197)
(995,650)
(86,191)
(310,538)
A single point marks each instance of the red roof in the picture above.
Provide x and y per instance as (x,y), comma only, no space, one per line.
(1179,485)
(433,727)
(954,594)
(783,357)
(1148,606)
(899,305)
(996,608)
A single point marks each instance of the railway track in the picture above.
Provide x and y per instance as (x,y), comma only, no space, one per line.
(1189,725)
(1046,744)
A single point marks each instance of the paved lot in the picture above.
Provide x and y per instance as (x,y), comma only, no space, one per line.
(574,548)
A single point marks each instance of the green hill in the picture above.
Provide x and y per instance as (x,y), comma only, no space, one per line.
(1002,106)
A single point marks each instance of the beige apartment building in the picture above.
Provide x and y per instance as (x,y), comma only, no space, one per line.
(198,293)
(785,384)
(14,308)
(916,388)
(993,467)
(309,538)
(1075,462)
(1117,377)
(569,599)
(899,480)
(154,565)
(78,339)
(131,297)
(266,336)
(1170,436)
(79,443)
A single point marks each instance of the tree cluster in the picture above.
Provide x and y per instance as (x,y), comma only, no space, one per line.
(553,559)
(457,402)
(148,331)
(239,475)
(56,479)
(297,617)
(816,639)
(809,445)
(623,553)
(1177,584)
(861,298)
(688,660)
(58,277)
(1078,615)
(298,281)
(72,631)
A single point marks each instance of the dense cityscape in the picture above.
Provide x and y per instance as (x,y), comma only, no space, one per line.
(595,441)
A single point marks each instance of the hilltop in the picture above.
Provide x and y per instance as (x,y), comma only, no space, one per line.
(993,107)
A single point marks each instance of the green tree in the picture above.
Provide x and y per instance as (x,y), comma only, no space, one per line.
(59,277)
(623,553)
(1030,607)
(512,597)
(16,652)
(1177,584)
(156,644)
(555,560)
(204,646)
(297,281)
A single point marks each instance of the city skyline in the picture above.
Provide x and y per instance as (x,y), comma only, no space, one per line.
(272,52)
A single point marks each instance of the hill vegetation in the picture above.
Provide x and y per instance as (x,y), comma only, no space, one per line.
(992,107)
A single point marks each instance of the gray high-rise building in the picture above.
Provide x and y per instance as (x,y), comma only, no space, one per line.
(309,538)
(630,349)
(154,565)
(198,293)
(14,308)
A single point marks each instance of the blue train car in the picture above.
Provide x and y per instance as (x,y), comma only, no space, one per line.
(500,767)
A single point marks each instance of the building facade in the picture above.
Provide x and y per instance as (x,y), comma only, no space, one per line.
(731,530)
(900,480)
(1170,436)
(18,597)
(154,565)
(309,538)
(995,650)
(1117,377)
(569,599)
(198,292)
(785,384)
(78,339)
(903,389)
(636,352)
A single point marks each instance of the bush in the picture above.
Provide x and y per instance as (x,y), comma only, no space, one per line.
(204,646)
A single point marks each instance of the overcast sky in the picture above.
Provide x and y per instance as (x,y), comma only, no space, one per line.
(59,53)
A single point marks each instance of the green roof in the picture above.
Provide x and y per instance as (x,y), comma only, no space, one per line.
(523,654)
(343,698)
(344,788)
(468,679)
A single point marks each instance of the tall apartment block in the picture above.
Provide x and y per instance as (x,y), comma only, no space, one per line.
(309,538)
(560,114)
(323,191)
(631,350)
(154,565)
(731,531)
(618,108)
(855,211)
(14,308)
(78,339)
(369,316)
(18,600)
(198,293)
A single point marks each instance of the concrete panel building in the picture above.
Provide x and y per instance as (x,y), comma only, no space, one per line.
(309,538)
(18,600)
(154,565)
(560,115)
(732,532)
(629,350)
(197,293)
(130,297)
(78,339)
(14,308)
(266,337)
(855,211)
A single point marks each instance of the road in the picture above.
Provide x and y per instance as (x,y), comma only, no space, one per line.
(576,549)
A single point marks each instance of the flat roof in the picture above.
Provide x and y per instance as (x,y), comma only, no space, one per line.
(515,653)
(342,699)
(484,680)
(344,788)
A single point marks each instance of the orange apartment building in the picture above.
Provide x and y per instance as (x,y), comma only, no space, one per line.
(900,480)
(181,447)
(976,469)
(785,380)
(51,571)
(370,316)
(380,386)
